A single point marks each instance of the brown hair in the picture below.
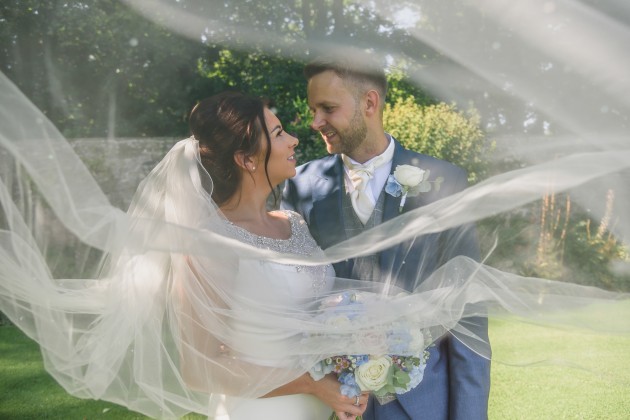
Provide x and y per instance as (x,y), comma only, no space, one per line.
(348,71)
(225,124)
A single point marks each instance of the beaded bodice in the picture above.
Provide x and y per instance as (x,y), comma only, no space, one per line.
(300,243)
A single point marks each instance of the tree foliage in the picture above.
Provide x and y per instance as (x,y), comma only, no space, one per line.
(272,77)
(554,239)
(96,68)
(277,79)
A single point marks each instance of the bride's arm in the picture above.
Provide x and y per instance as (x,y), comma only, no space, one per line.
(207,365)
(327,390)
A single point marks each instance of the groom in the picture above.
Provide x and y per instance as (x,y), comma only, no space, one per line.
(343,194)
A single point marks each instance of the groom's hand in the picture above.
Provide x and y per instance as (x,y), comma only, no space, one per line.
(327,390)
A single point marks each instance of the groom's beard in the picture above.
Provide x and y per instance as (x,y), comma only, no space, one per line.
(350,138)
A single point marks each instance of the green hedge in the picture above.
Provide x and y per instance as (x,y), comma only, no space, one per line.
(442,131)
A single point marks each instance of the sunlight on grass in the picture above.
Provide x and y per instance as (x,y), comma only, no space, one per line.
(573,376)
(548,373)
(28,392)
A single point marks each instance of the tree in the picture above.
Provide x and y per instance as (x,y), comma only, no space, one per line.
(96,68)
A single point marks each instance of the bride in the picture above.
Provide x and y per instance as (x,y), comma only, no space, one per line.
(188,313)
(246,152)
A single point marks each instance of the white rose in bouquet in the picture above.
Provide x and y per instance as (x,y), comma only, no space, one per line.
(374,374)
(374,340)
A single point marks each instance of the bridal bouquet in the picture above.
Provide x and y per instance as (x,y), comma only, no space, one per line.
(395,372)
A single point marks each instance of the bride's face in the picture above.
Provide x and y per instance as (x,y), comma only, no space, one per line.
(282,161)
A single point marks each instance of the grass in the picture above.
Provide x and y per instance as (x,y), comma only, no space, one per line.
(600,389)
(28,392)
(544,373)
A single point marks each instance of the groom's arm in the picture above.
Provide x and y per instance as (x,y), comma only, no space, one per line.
(469,373)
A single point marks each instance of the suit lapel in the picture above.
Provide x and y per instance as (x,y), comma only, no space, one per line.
(327,191)
(327,194)
(391,205)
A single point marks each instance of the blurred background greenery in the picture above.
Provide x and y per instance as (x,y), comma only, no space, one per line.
(98,69)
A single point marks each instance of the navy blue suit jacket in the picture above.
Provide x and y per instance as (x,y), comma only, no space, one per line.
(456,381)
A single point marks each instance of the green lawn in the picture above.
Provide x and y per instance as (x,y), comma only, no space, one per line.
(588,376)
(533,392)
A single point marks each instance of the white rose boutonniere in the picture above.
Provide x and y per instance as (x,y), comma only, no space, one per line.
(410,181)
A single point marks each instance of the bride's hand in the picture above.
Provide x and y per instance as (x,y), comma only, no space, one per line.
(363,400)
(345,415)
(327,390)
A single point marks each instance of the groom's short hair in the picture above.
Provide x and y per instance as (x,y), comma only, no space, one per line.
(361,70)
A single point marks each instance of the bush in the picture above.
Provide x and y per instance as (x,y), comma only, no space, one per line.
(551,239)
(440,130)
(591,255)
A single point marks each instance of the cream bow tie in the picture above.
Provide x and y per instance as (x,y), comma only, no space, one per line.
(360,175)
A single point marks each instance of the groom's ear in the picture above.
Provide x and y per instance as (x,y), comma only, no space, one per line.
(372,103)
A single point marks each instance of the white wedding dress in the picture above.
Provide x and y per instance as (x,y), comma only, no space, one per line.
(293,285)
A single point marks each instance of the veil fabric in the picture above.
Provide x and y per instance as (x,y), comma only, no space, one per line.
(139,307)
(160,328)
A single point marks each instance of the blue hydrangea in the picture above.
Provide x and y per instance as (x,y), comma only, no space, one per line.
(350,391)
(348,387)
(398,341)
(393,187)
(361,359)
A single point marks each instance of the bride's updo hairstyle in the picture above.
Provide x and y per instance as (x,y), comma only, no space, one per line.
(225,124)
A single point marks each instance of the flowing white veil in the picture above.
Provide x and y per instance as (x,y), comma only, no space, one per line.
(153,326)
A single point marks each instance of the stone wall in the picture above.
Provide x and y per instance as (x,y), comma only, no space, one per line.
(119,165)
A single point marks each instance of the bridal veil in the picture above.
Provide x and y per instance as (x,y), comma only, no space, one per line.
(144,314)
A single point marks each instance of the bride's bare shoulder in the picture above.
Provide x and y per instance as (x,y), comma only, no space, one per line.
(287,215)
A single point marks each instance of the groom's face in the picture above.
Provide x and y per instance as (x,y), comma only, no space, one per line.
(337,114)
